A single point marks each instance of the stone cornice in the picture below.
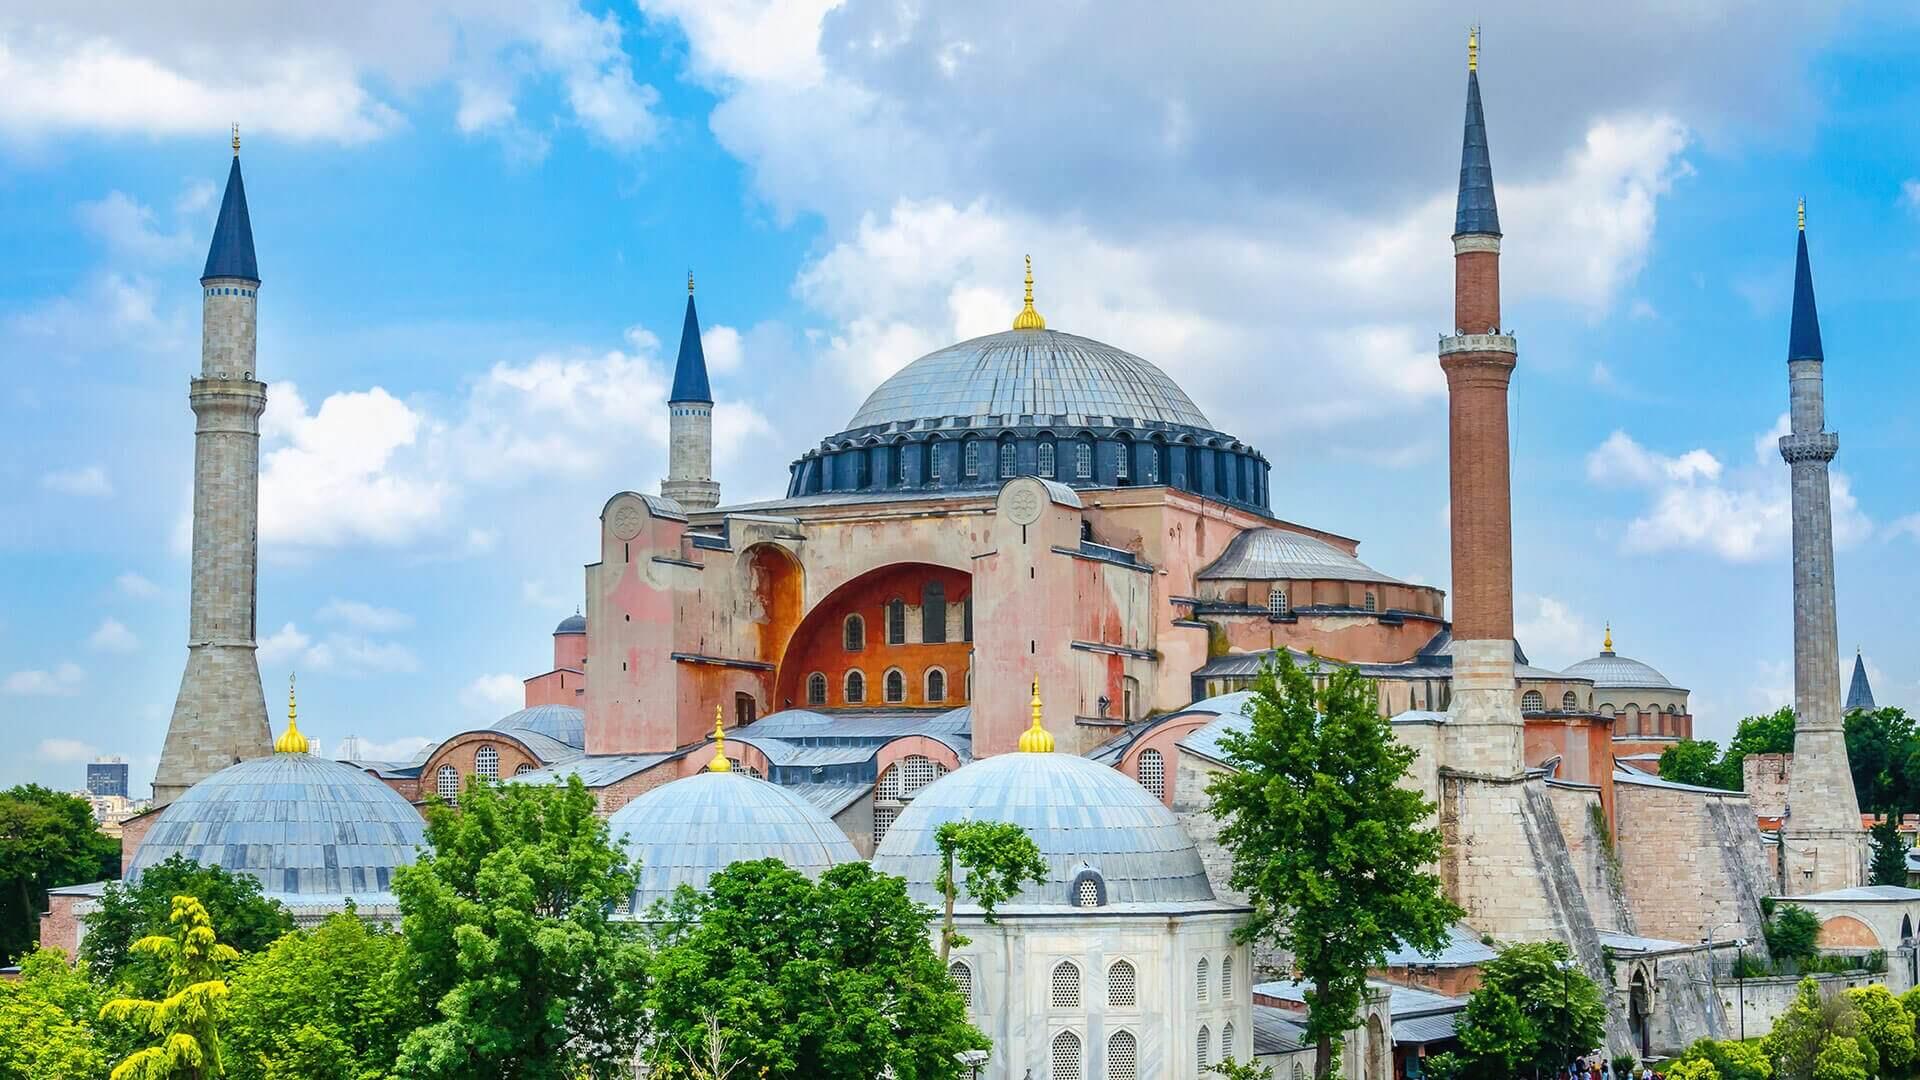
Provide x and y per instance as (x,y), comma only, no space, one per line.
(1819,446)
(1477,343)
(1466,242)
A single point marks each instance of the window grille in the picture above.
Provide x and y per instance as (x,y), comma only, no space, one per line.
(1153,772)
(1122,1057)
(1277,601)
(971,463)
(896,687)
(882,821)
(1372,604)
(896,622)
(856,688)
(816,689)
(919,772)
(447,783)
(1226,1043)
(1087,894)
(1533,701)
(1201,1050)
(1083,460)
(1121,993)
(853,634)
(1006,460)
(936,686)
(1121,465)
(889,786)
(486,762)
(1066,1056)
(1201,974)
(1569,703)
(1066,985)
(1046,459)
(1226,979)
(962,976)
(523,770)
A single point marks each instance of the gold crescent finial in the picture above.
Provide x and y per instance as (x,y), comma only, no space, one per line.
(236,139)
(1608,643)
(1029,319)
(1473,47)
(1036,739)
(1803,213)
(719,762)
(290,740)
(689,283)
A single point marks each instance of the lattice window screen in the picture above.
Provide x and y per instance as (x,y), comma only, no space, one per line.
(1066,1056)
(1066,985)
(1122,1057)
(1121,993)
(1153,772)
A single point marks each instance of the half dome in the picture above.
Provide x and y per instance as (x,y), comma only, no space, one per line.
(686,831)
(563,723)
(1611,670)
(1082,815)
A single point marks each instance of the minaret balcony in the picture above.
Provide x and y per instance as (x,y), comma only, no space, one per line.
(1477,343)
(1818,446)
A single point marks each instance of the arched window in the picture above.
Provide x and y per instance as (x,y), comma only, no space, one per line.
(1226,979)
(962,977)
(853,633)
(1276,601)
(1533,701)
(970,458)
(1121,992)
(817,689)
(896,686)
(936,686)
(1066,985)
(1122,466)
(896,622)
(856,688)
(1202,980)
(1202,1052)
(1152,770)
(447,783)
(900,457)
(933,614)
(1673,710)
(1226,1042)
(1046,458)
(1006,459)
(523,770)
(1123,1058)
(933,459)
(1087,893)
(1372,604)
(1569,703)
(486,762)
(1153,463)
(1083,460)
(1066,1056)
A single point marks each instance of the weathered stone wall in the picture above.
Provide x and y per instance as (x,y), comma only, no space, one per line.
(1692,861)
(1765,778)
(1591,854)
(1765,999)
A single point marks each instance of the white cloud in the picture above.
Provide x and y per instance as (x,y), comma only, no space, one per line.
(107,310)
(86,480)
(61,681)
(1910,196)
(1907,525)
(285,646)
(481,541)
(721,345)
(340,474)
(362,656)
(112,636)
(136,586)
(539,594)
(365,616)
(494,694)
(129,230)
(1552,634)
(67,751)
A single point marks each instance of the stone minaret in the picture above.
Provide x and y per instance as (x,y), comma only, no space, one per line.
(1822,845)
(220,716)
(1485,730)
(689,479)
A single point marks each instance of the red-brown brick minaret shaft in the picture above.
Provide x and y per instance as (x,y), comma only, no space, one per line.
(1478,359)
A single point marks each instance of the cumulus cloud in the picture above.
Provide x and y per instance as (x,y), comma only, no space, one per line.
(112,636)
(86,480)
(1910,196)
(1551,632)
(364,616)
(721,346)
(494,695)
(1907,525)
(328,477)
(67,751)
(61,681)
(136,586)
(129,228)
(285,646)
(349,654)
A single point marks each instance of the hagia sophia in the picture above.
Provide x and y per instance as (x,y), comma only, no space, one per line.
(1029,580)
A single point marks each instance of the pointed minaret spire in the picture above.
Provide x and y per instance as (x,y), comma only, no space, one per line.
(231,253)
(1803,340)
(1476,213)
(1860,693)
(690,372)
(689,479)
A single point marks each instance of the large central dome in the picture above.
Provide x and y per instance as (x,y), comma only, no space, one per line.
(1032,373)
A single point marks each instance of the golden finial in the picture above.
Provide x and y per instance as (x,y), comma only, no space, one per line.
(1029,319)
(689,283)
(1803,213)
(1607,645)
(236,140)
(1036,739)
(290,740)
(719,762)
(1473,47)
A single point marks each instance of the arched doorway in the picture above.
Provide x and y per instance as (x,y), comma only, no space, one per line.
(1640,1011)
(1379,1064)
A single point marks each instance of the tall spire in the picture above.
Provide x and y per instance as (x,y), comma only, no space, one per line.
(1029,319)
(1803,340)
(1860,693)
(231,254)
(1476,213)
(690,372)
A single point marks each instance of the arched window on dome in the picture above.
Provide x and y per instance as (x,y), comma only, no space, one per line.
(1066,1056)
(962,977)
(896,622)
(1066,985)
(1202,980)
(817,688)
(970,458)
(1202,1052)
(853,634)
(902,459)
(1123,459)
(936,686)
(1276,600)
(1046,458)
(1152,772)
(1122,991)
(1083,460)
(894,685)
(486,762)
(1533,701)
(1154,469)
(1569,702)
(856,689)
(446,783)
(1123,1057)
(1673,710)
(934,445)
(1006,459)
(1086,893)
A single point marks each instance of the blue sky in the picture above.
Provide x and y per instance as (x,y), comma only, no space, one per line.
(474,221)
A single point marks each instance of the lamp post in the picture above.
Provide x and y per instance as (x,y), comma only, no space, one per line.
(974,1060)
(1566,1006)
(1739,945)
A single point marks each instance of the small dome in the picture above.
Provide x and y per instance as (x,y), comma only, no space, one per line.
(561,722)
(1268,554)
(686,831)
(572,624)
(1041,373)
(312,831)
(1610,669)
(1081,814)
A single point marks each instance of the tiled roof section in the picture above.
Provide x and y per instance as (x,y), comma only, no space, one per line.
(1475,212)
(690,370)
(1803,339)
(561,723)
(231,253)
(1463,948)
(1038,373)
(303,826)
(1278,554)
(830,799)
(1859,691)
(1278,1031)
(594,770)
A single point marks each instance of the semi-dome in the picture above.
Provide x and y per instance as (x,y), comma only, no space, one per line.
(572,624)
(312,831)
(1037,373)
(1276,554)
(563,723)
(1610,669)
(1089,821)
(686,831)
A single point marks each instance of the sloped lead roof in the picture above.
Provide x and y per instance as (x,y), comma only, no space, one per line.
(1859,692)
(690,370)
(1803,339)
(1476,212)
(231,254)
(1276,554)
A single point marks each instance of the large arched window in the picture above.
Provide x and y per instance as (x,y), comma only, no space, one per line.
(446,783)
(1066,1056)
(895,686)
(1083,460)
(1006,459)
(1533,701)
(933,614)
(1123,1057)
(853,633)
(962,977)
(856,688)
(1569,703)
(1202,981)
(1122,993)
(1276,600)
(970,458)
(1152,770)
(1046,458)
(897,785)
(896,622)
(1202,1052)
(817,688)
(1066,985)
(486,762)
(936,686)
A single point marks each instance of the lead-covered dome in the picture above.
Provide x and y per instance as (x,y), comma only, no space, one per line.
(1610,669)
(686,831)
(312,831)
(562,723)
(1090,822)
(1032,373)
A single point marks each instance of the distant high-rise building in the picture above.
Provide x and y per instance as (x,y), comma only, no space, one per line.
(107,776)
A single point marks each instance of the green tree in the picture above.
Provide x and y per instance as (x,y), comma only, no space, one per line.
(1497,1039)
(1878,744)
(1889,865)
(187,1021)
(1698,762)
(1693,1069)
(998,858)
(1731,1059)
(1809,1027)
(128,912)
(48,839)
(1842,1058)
(1887,1024)
(834,980)
(1332,852)
(1771,733)
(1535,1011)
(319,1004)
(1793,933)
(509,940)
(47,1022)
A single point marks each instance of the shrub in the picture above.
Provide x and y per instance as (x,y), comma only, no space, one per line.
(1841,1058)
(1731,1059)
(1748,966)
(1696,1069)
(1792,933)
(1886,1024)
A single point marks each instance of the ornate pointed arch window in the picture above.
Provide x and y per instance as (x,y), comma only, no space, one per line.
(895,686)
(1066,985)
(1066,1056)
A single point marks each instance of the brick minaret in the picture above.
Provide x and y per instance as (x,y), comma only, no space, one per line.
(1822,846)
(220,716)
(689,479)
(1485,730)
